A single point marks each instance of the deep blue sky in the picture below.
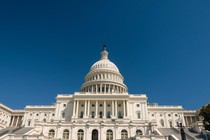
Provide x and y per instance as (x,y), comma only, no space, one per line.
(162,48)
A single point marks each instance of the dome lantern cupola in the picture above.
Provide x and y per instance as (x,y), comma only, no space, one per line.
(104,77)
(104,53)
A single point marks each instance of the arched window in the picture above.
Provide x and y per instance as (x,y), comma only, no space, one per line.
(162,122)
(124,134)
(66,134)
(138,132)
(109,134)
(108,114)
(80,134)
(81,114)
(44,120)
(51,133)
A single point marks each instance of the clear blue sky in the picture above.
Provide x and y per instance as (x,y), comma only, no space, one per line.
(162,48)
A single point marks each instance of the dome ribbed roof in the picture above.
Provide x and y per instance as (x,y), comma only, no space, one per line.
(104,64)
(104,77)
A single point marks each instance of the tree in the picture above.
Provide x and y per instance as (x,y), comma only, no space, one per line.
(205,112)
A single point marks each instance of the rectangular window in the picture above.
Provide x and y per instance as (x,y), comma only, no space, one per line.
(138,115)
(29,123)
(137,105)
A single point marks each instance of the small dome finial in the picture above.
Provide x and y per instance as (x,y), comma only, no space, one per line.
(104,46)
(104,53)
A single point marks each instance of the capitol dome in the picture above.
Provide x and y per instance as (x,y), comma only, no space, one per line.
(104,77)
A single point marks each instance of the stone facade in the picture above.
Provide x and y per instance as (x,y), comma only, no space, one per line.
(102,110)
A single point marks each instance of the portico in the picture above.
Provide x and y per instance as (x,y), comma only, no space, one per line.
(100,108)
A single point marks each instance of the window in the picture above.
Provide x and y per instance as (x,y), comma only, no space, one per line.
(109,134)
(30,114)
(101,105)
(120,114)
(108,114)
(138,115)
(153,115)
(137,105)
(81,114)
(176,115)
(93,105)
(170,123)
(82,105)
(119,105)
(162,122)
(92,114)
(169,115)
(161,115)
(45,114)
(53,114)
(44,120)
(124,134)
(51,133)
(101,114)
(29,122)
(80,134)
(63,115)
(64,105)
(37,114)
(138,132)
(108,105)
(66,134)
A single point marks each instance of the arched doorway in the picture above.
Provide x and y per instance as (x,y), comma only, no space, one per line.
(95,134)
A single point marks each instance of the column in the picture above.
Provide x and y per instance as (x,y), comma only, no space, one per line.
(100,88)
(17,121)
(88,113)
(116,109)
(92,88)
(127,105)
(113,109)
(24,119)
(96,88)
(13,117)
(85,112)
(143,114)
(185,118)
(74,109)
(77,110)
(104,88)
(58,112)
(124,113)
(191,119)
(104,109)
(96,116)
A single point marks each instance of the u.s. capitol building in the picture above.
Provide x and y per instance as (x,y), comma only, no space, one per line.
(102,110)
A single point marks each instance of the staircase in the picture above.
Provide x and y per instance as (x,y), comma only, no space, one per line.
(176,133)
(12,130)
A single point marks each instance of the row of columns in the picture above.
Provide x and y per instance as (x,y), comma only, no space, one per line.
(104,77)
(16,120)
(189,120)
(87,108)
(104,88)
